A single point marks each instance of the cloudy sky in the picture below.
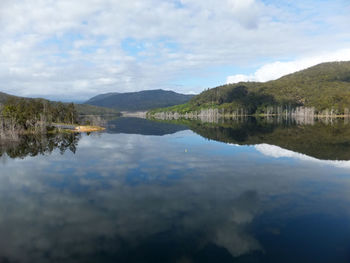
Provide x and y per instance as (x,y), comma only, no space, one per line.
(75,49)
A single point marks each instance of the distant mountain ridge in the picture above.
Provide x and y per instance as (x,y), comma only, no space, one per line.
(82,109)
(139,101)
(102,96)
(4,97)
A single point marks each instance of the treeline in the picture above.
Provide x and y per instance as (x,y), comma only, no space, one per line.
(320,90)
(19,115)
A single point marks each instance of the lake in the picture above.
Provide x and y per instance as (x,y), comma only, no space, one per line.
(249,190)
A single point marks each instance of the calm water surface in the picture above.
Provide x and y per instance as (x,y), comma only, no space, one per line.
(247,191)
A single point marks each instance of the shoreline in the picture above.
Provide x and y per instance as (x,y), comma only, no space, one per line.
(191,115)
(77,128)
(88,128)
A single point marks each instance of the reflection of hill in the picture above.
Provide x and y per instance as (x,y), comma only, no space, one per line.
(322,141)
(33,145)
(143,126)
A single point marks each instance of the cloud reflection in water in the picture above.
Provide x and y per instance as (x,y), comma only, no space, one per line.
(119,194)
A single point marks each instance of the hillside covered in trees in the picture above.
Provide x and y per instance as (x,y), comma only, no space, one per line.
(139,101)
(323,89)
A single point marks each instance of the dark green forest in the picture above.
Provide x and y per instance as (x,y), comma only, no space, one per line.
(323,89)
(19,115)
(82,109)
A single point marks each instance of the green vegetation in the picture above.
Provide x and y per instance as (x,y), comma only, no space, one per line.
(323,89)
(139,101)
(26,115)
(19,115)
(82,109)
(4,97)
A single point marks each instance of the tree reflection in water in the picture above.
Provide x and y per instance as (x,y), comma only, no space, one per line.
(39,144)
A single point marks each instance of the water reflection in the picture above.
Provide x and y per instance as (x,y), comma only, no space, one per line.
(40,144)
(124,206)
(211,117)
(320,140)
(172,198)
(132,125)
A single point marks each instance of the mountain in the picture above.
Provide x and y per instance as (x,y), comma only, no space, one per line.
(102,96)
(323,88)
(82,109)
(85,109)
(139,101)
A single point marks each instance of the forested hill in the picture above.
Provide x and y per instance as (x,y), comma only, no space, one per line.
(323,88)
(4,97)
(139,101)
(82,109)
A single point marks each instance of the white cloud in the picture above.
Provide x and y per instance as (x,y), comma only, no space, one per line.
(83,40)
(239,78)
(278,152)
(247,12)
(278,69)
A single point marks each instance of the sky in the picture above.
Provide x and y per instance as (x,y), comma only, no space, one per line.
(72,50)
